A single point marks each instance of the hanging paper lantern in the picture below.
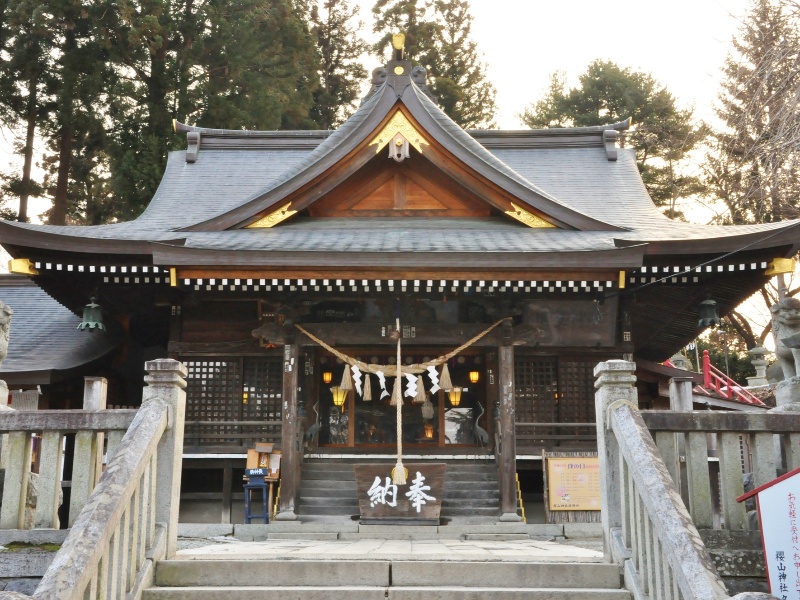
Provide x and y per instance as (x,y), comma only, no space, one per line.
(420,397)
(444,379)
(367,396)
(347,379)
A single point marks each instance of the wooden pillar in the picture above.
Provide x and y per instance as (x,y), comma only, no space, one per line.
(290,451)
(508,437)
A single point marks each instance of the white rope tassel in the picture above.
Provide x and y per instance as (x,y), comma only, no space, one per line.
(399,473)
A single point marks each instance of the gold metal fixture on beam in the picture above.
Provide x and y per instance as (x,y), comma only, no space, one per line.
(399,124)
(779,266)
(274,218)
(21,266)
(529,219)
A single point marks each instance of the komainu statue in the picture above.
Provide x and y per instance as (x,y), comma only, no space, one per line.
(5,327)
(786,331)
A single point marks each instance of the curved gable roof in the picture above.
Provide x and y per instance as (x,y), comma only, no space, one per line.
(356,134)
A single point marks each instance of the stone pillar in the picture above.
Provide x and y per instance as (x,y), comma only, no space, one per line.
(615,383)
(166,381)
(787,394)
(4,437)
(88,453)
(290,450)
(508,436)
(680,394)
(760,364)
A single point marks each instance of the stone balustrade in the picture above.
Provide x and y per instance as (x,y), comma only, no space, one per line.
(647,528)
(130,518)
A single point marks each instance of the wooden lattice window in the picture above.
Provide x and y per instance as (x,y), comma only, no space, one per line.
(263,384)
(212,387)
(576,391)
(228,398)
(535,387)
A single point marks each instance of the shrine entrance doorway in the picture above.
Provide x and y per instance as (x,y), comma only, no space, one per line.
(444,421)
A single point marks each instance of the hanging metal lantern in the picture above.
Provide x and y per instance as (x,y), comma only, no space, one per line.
(708,314)
(455,396)
(92,316)
(339,396)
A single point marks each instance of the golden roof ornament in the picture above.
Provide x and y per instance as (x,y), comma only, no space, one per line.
(531,220)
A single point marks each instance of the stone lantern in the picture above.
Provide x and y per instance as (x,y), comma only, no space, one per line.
(758,360)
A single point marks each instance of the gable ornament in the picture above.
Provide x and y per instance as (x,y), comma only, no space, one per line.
(399,134)
(529,219)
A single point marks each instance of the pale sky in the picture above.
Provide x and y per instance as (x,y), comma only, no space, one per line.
(682,43)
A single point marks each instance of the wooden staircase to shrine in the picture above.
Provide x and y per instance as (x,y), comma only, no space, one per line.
(328,487)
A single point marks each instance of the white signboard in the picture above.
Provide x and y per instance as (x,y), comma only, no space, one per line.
(778,512)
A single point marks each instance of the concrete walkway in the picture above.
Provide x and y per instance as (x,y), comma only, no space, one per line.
(227,548)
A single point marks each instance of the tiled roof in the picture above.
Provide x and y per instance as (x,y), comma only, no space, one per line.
(45,343)
(567,175)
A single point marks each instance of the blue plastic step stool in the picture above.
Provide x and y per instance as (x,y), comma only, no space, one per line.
(257,484)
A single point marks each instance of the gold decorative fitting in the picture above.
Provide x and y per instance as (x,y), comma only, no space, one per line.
(398,41)
(780,265)
(399,70)
(21,266)
(529,219)
(273,219)
(399,124)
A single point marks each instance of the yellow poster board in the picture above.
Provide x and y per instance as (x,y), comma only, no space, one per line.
(574,483)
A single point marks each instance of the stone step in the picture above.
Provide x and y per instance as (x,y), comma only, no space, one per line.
(482,593)
(379,593)
(331,492)
(473,493)
(326,510)
(309,501)
(470,485)
(330,476)
(219,573)
(469,502)
(288,573)
(472,511)
(299,592)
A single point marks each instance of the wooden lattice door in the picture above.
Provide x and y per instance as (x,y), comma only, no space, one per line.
(233,401)
(262,391)
(536,391)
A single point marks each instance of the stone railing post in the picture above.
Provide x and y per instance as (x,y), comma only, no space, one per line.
(166,380)
(615,383)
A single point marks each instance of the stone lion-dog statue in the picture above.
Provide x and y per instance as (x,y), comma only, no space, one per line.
(786,331)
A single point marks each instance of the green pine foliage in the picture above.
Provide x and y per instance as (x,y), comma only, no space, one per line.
(411,17)
(754,165)
(458,76)
(26,84)
(438,36)
(663,135)
(340,48)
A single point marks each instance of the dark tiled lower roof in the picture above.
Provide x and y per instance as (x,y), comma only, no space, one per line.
(45,343)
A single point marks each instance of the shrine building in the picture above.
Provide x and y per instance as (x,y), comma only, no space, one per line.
(269,262)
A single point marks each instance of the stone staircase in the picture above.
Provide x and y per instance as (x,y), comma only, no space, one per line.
(328,487)
(280,579)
